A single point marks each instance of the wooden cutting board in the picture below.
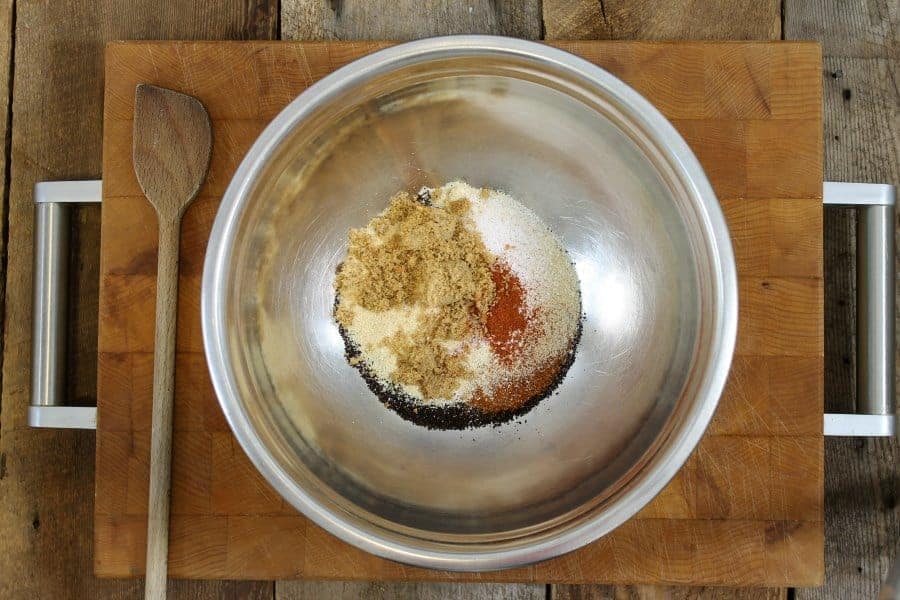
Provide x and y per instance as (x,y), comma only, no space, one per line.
(747,507)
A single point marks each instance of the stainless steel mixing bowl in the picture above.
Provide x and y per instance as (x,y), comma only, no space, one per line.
(622,191)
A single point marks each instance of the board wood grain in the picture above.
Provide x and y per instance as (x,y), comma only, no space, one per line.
(747,507)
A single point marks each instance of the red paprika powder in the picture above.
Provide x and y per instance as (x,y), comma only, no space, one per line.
(507,318)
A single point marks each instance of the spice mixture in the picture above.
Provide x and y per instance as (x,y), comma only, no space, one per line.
(458,306)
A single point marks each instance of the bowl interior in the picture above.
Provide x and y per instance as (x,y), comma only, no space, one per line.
(583,163)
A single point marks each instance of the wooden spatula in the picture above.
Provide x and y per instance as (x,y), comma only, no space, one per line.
(172,148)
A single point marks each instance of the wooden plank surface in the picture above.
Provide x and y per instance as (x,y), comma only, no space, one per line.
(862,134)
(346,590)
(46,477)
(366,20)
(647,592)
(662,20)
(6,34)
(858,29)
(718,522)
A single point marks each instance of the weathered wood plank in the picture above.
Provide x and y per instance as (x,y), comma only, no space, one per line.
(47,477)
(662,19)
(386,20)
(650,592)
(862,28)
(861,42)
(408,591)
(6,33)
(862,112)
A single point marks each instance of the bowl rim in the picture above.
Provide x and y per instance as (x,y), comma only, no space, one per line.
(655,474)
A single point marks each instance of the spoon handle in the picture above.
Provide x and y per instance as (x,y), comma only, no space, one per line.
(163,392)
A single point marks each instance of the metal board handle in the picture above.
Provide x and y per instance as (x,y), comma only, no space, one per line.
(875,281)
(52,211)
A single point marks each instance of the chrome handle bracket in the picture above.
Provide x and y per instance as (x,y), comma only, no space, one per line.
(53,202)
(875,281)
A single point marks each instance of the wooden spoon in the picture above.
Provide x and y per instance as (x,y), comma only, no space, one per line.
(172,148)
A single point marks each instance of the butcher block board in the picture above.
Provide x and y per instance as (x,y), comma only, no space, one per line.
(746,509)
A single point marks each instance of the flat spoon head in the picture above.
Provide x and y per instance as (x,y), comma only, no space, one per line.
(172,147)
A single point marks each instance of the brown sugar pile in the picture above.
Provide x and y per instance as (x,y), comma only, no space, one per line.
(458,307)
(413,254)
